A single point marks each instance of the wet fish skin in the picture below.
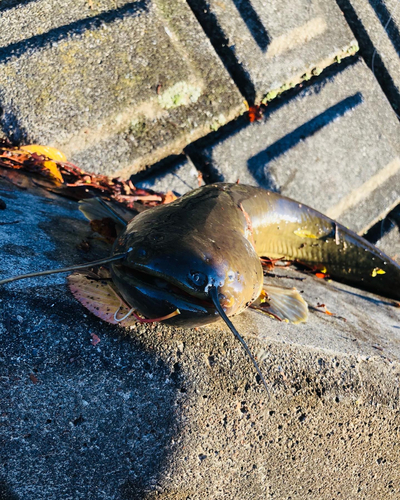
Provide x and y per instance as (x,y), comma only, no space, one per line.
(285,228)
(214,236)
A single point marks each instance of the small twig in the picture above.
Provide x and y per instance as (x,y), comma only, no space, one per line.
(9,223)
(273,275)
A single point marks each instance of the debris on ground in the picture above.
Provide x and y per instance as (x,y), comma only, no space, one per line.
(52,171)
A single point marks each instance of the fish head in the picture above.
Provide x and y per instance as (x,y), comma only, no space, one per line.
(172,261)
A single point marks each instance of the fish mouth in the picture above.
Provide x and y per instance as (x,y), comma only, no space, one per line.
(154,280)
(155,296)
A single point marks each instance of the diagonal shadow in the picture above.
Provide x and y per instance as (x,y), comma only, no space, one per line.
(387,22)
(370,55)
(55,35)
(257,163)
(253,23)
(11,4)
(11,127)
(384,226)
(373,300)
(200,151)
(209,22)
(112,410)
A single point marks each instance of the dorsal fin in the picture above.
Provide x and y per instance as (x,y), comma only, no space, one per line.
(97,209)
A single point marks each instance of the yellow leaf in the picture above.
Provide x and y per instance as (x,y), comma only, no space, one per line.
(169,197)
(377,271)
(52,168)
(48,151)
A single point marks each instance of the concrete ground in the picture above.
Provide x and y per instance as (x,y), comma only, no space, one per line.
(159,90)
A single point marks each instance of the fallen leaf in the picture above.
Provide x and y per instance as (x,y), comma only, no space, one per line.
(95,339)
(102,299)
(48,151)
(377,271)
(169,196)
(98,297)
(67,179)
(31,162)
(270,263)
(255,113)
(329,313)
(53,170)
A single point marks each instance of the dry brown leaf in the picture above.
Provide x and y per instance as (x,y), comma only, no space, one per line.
(95,339)
(69,180)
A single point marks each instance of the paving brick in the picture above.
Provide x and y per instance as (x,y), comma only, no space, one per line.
(117,86)
(180,178)
(376,24)
(386,234)
(334,145)
(390,243)
(270,46)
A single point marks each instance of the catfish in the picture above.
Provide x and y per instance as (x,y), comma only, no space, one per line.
(196,260)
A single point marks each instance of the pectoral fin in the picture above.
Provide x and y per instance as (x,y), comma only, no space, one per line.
(100,298)
(285,304)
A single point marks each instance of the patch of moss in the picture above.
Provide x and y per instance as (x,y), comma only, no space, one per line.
(180,94)
(218,122)
(137,127)
(271,95)
(353,49)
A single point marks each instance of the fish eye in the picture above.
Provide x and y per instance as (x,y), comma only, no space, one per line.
(197,278)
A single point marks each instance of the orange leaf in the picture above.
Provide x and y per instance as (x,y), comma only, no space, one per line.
(326,310)
(255,113)
(51,166)
(47,151)
(169,197)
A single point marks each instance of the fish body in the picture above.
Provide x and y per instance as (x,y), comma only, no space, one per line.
(214,236)
(197,259)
